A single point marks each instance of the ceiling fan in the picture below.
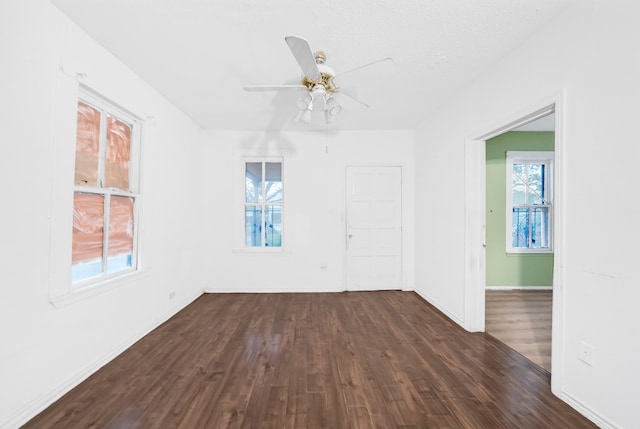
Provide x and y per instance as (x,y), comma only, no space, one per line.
(318,89)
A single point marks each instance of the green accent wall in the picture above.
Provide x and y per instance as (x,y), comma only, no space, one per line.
(502,268)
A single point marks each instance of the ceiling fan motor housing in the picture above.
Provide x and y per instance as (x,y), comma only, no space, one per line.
(326,76)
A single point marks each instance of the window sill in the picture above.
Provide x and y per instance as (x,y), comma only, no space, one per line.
(89,291)
(529,251)
(262,251)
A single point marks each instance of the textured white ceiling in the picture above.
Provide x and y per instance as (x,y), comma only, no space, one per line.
(200,53)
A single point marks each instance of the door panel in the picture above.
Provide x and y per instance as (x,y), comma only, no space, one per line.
(374,228)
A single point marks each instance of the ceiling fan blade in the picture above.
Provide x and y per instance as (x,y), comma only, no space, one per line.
(304,56)
(349,103)
(375,70)
(263,88)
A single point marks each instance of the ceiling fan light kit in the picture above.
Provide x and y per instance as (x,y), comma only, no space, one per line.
(317,81)
(304,102)
(332,107)
(306,116)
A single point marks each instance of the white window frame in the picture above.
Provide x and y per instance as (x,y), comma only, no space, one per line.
(95,100)
(529,157)
(263,248)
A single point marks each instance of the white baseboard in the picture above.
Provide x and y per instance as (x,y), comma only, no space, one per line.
(440,308)
(40,403)
(253,289)
(600,421)
(519,288)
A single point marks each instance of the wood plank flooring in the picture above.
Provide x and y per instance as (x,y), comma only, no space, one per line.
(337,360)
(522,320)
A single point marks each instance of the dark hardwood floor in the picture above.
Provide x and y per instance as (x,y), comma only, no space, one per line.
(341,360)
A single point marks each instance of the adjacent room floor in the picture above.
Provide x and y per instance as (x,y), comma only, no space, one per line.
(521,320)
(333,360)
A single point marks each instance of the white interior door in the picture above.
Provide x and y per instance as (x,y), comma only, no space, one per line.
(374,228)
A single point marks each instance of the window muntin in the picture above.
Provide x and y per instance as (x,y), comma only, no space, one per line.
(263,205)
(105,192)
(529,201)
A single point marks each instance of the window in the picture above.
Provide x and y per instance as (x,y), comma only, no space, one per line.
(105,192)
(263,204)
(529,201)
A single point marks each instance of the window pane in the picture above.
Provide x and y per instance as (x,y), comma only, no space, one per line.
(273,182)
(252,221)
(520,228)
(120,234)
(88,222)
(535,179)
(253,182)
(118,154)
(273,226)
(87,145)
(518,184)
(540,228)
(519,170)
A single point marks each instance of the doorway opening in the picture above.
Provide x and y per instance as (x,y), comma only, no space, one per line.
(475,223)
(518,238)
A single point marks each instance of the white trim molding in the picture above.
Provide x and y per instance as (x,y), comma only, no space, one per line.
(441,308)
(475,194)
(519,288)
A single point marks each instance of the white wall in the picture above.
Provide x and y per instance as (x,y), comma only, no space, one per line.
(45,350)
(314,223)
(591,52)
(187,244)
(186,237)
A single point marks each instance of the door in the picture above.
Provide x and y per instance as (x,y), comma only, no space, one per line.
(374,228)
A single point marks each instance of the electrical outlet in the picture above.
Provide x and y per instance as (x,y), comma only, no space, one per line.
(172,295)
(585,353)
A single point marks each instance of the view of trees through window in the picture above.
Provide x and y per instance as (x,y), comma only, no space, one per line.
(263,204)
(530,204)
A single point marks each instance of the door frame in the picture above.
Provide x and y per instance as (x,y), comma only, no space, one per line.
(406,278)
(475,196)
